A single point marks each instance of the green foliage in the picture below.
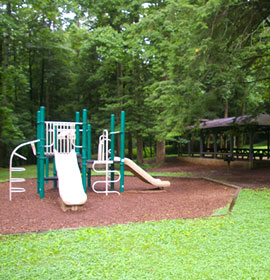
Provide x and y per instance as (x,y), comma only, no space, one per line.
(230,247)
(166,63)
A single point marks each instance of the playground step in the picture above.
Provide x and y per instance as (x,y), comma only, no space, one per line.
(17,169)
(50,178)
(17,189)
(103,162)
(17,180)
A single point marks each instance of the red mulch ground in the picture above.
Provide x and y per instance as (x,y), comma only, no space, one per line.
(186,198)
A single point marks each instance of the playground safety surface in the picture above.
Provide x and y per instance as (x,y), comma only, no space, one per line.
(186,198)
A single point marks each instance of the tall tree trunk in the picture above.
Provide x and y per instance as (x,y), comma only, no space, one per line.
(151,146)
(41,97)
(243,107)
(223,143)
(243,110)
(31,105)
(226,110)
(2,90)
(139,149)
(5,54)
(130,146)
(15,78)
(192,143)
(47,99)
(47,88)
(119,82)
(160,151)
(120,95)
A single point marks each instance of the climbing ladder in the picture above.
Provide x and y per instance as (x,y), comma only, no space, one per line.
(18,169)
(103,160)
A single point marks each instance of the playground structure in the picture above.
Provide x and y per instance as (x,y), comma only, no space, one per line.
(66,142)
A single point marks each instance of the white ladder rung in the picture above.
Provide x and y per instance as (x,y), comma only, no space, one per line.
(17,169)
(103,161)
(17,180)
(17,189)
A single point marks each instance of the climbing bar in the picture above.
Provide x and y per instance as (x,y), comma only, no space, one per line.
(20,156)
(55,178)
(115,132)
(12,169)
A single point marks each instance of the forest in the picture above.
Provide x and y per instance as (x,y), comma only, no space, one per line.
(167,63)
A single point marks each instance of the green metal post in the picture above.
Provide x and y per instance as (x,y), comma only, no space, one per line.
(89,142)
(122,151)
(112,149)
(77,127)
(38,150)
(42,157)
(84,148)
(89,154)
(47,169)
(55,147)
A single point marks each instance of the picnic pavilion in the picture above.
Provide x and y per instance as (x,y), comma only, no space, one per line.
(229,139)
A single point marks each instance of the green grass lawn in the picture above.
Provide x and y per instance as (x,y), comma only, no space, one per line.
(30,172)
(231,247)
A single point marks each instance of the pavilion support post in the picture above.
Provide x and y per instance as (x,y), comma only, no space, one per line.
(215,144)
(208,142)
(226,143)
(221,142)
(237,145)
(251,143)
(231,145)
(268,144)
(201,145)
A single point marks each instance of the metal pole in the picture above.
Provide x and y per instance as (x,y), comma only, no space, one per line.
(55,147)
(84,148)
(89,156)
(38,151)
(42,157)
(77,127)
(112,149)
(47,169)
(122,151)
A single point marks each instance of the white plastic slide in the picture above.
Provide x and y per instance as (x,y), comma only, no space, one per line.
(142,174)
(70,184)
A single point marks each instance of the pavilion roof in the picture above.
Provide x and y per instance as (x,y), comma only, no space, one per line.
(260,120)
